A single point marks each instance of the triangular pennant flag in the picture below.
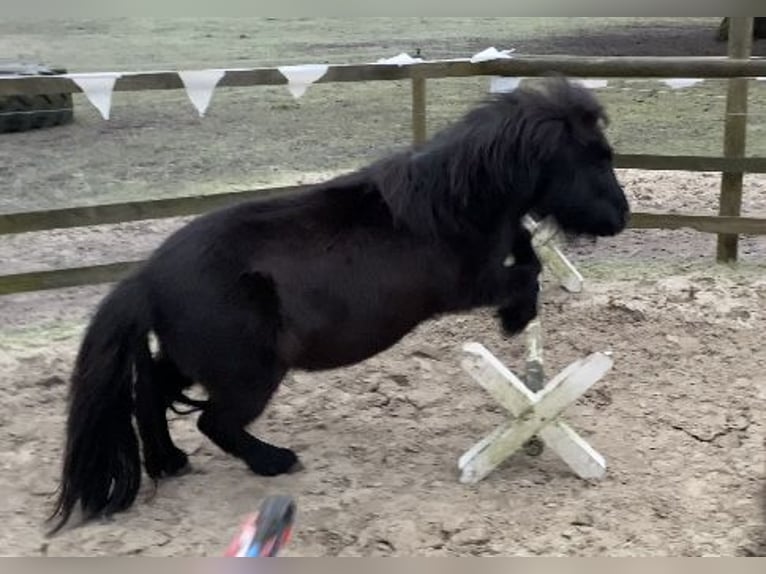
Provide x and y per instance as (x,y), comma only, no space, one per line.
(299,78)
(677,83)
(491,54)
(400,60)
(503,84)
(98,88)
(592,84)
(200,85)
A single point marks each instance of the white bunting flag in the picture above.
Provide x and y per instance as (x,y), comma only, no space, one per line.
(678,83)
(400,60)
(503,84)
(491,53)
(299,78)
(98,88)
(200,85)
(592,84)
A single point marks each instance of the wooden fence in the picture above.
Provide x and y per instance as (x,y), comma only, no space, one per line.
(738,67)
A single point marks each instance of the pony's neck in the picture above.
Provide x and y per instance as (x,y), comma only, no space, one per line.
(440,193)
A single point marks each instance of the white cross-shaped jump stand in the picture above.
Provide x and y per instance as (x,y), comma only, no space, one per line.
(535,407)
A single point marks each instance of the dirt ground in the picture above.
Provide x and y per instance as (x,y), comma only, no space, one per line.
(679,419)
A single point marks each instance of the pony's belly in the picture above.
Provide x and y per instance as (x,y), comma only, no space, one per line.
(339,311)
(343,344)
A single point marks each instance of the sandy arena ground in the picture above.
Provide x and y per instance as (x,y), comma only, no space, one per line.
(679,419)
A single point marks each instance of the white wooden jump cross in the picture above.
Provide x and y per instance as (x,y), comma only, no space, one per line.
(535,406)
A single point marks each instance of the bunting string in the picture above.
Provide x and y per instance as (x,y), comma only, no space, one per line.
(201,84)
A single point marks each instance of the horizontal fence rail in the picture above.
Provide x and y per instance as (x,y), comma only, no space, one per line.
(95,274)
(62,278)
(520,66)
(529,66)
(68,217)
(691,163)
(105,214)
(703,223)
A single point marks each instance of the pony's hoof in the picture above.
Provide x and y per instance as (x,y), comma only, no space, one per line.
(183,471)
(176,464)
(275,461)
(514,319)
(298,466)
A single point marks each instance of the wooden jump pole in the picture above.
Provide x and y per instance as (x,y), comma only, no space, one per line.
(535,405)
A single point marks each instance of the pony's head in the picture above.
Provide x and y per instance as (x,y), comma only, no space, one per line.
(559,130)
(536,151)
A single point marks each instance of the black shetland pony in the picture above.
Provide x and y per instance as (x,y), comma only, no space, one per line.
(327,278)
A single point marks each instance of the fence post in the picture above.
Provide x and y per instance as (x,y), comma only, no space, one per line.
(418,110)
(735,134)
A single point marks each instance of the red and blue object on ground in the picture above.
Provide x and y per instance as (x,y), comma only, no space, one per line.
(266,532)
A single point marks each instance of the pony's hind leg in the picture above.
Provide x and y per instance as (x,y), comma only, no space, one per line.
(159,379)
(234,404)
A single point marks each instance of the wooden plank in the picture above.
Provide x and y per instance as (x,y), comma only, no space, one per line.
(701,223)
(574,450)
(534,375)
(602,67)
(419,122)
(543,242)
(499,381)
(62,218)
(691,163)
(534,372)
(530,66)
(61,278)
(484,443)
(191,205)
(532,412)
(54,279)
(34,221)
(735,134)
(131,211)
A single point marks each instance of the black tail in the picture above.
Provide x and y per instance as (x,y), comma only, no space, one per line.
(102,467)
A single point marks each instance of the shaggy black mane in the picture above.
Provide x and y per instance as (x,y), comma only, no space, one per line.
(457,182)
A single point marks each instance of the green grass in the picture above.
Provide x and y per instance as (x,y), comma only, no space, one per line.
(86,45)
(156,146)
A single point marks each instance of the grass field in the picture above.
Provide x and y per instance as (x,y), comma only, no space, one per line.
(155,145)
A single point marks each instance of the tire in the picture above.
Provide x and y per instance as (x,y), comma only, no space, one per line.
(20,113)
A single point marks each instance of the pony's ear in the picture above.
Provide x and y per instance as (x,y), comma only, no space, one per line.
(585,123)
(579,107)
(595,119)
(589,119)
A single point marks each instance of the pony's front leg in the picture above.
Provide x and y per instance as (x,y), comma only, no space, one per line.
(521,285)
(521,303)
